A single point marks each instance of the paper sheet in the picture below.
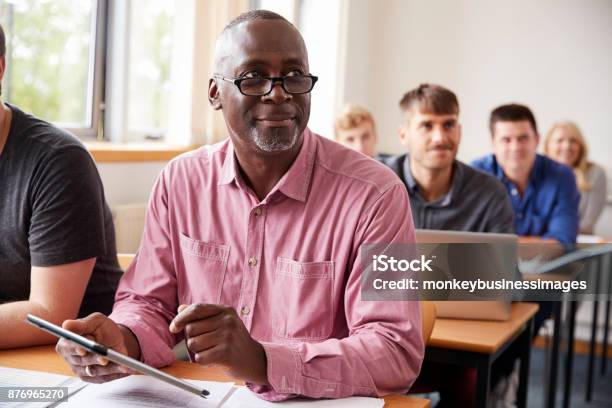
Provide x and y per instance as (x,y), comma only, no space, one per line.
(244,398)
(143,391)
(13,377)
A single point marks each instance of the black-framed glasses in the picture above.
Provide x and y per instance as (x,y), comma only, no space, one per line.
(260,86)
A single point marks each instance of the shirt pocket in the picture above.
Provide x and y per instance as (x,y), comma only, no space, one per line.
(303,299)
(205,265)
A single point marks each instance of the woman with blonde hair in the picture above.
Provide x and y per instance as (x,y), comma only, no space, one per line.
(565,144)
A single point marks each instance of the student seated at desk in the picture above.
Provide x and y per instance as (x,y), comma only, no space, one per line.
(57,241)
(564,143)
(252,246)
(445,194)
(543,192)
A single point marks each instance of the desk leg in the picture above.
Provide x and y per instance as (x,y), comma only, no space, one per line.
(525,342)
(483,381)
(589,385)
(569,358)
(604,354)
(554,357)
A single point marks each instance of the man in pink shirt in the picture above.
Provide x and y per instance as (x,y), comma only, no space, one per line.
(251,249)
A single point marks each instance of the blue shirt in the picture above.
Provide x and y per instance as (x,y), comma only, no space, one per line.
(549,207)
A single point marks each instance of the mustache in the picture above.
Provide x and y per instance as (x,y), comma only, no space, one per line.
(445,146)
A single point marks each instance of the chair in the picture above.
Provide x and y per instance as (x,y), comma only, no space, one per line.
(428,318)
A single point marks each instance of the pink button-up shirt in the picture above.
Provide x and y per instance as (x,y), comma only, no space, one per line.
(289,265)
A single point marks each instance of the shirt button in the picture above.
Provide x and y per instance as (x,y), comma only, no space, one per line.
(513,191)
(245,310)
(252,261)
(257,211)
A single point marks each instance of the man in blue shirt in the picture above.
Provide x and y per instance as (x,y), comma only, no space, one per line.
(543,192)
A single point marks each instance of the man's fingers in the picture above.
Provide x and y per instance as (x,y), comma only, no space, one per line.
(96,370)
(215,355)
(204,341)
(196,311)
(66,348)
(208,325)
(90,359)
(86,325)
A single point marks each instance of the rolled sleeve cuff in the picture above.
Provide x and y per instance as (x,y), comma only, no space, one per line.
(153,349)
(283,371)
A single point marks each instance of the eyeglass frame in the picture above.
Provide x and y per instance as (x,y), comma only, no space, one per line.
(273,82)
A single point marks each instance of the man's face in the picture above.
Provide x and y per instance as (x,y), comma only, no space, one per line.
(362,138)
(432,140)
(515,145)
(271,123)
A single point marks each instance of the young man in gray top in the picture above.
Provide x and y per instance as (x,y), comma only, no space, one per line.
(445,194)
(57,242)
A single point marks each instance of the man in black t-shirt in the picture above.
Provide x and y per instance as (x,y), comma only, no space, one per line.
(57,245)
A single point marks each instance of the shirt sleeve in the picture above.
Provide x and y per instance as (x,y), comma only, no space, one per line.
(67,203)
(146,299)
(383,351)
(563,222)
(596,202)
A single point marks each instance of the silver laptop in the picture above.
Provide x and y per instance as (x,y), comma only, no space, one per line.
(477,310)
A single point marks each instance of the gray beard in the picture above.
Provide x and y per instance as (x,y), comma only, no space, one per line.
(274,142)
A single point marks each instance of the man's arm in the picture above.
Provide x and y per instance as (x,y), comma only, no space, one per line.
(384,349)
(563,222)
(65,236)
(55,295)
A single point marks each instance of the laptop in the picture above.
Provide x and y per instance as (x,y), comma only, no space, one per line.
(506,258)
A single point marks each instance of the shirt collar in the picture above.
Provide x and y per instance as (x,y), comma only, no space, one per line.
(457,179)
(534,175)
(296,181)
(229,171)
(410,181)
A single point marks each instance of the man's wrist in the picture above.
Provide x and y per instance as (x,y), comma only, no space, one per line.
(261,376)
(130,341)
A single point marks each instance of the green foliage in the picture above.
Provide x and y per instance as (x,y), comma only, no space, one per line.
(48,49)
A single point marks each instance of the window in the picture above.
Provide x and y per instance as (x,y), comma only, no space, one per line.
(56,53)
(150,54)
(120,70)
(51,62)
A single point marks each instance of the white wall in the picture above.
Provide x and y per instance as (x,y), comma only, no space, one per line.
(553,55)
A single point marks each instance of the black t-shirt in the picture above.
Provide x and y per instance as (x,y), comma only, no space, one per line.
(53,212)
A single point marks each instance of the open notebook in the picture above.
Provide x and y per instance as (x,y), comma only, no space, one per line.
(144,391)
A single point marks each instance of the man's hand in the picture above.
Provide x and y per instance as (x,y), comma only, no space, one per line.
(89,366)
(216,335)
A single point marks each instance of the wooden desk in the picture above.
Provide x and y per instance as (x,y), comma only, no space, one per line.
(44,358)
(477,344)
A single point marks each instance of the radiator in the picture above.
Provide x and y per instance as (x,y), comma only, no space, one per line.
(129,224)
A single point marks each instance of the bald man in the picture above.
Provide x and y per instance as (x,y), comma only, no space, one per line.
(252,247)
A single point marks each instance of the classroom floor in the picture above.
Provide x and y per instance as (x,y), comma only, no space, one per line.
(602,386)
